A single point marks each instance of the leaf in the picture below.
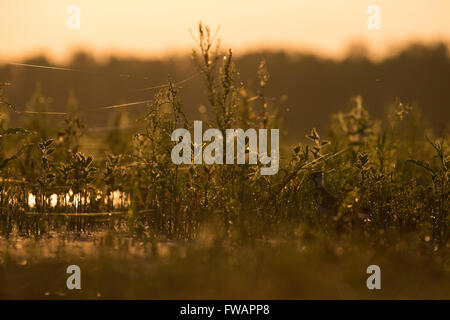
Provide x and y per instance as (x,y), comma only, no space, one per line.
(363,158)
(422,164)
(51,176)
(44,163)
(434,145)
(8,104)
(12,131)
(313,135)
(5,162)
(48,143)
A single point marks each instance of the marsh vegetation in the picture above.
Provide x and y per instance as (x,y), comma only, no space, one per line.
(140,226)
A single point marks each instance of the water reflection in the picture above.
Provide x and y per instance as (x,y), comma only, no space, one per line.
(115,200)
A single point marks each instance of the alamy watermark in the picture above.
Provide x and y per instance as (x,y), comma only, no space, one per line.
(73,21)
(74,280)
(213,153)
(374,20)
(374,280)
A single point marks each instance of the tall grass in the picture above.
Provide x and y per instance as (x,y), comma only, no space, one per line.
(389,178)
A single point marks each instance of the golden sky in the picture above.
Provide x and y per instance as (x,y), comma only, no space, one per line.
(154,27)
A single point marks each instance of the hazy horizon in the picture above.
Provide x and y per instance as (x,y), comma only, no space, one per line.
(152,29)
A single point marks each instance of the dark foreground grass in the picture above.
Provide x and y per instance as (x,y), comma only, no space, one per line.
(121,268)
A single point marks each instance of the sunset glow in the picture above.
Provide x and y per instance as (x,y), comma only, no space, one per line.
(148,28)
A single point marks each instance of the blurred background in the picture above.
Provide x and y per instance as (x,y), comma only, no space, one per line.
(320,54)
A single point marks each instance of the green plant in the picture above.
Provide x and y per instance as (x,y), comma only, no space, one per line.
(47,176)
(440,189)
(81,176)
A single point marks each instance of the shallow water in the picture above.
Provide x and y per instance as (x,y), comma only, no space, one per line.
(117,263)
